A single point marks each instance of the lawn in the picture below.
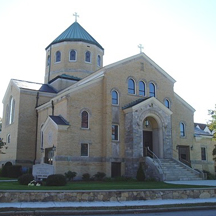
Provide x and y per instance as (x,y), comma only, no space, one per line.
(103,185)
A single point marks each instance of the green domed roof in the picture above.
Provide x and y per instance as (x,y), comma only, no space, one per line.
(75,32)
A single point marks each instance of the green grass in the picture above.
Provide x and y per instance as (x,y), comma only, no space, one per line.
(114,185)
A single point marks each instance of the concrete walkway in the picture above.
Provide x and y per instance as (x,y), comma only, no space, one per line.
(201,182)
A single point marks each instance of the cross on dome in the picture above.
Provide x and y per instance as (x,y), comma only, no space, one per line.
(140,46)
(76,15)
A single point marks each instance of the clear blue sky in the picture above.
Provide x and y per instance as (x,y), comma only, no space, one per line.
(179,35)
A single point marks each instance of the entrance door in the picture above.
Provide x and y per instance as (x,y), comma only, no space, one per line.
(48,156)
(184,155)
(147,140)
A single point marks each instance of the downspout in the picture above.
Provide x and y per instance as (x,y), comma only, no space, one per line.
(36,131)
(49,64)
(53,108)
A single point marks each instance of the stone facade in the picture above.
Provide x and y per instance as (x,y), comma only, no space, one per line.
(102,196)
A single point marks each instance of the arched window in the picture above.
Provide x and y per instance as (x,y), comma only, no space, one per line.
(182,129)
(48,60)
(72,55)
(12,110)
(8,138)
(58,56)
(141,88)
(131,86)
(7,114)
(151,90)
(84,119)
(99,60)
(167,103)
(115,99)
(88,56)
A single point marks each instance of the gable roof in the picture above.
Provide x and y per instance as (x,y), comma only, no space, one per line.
(133,103)
(200,132)
(141,55)
(65,76)
(75,32)
(200,125)
(59,120)
(34,86)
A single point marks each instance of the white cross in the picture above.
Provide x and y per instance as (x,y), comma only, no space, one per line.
(76,15)
(140,47)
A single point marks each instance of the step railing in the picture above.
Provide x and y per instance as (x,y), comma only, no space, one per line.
(201,174)
(155,158)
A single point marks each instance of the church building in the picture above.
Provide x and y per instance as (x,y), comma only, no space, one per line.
(90,118)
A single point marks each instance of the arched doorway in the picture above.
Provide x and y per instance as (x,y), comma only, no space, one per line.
(152,135)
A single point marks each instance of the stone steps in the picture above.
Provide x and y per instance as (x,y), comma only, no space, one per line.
(174,171)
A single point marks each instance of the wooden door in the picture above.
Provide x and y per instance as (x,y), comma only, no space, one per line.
(184,155)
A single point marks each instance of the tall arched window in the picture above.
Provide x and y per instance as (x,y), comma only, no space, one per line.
(131,86)
(141,88)
(8,138)
(182,129)
(99,60)
(115,99)
(167,103)
(88,56)
(72,55)
(48,60)
(151,90)
(84,119)
(58,56)
(7,114)
(12,110)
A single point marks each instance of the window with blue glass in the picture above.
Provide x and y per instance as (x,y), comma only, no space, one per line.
(182,130)
(131,86)
(115,132)
(151,90)
(88,56)
(141,88)
(48,60)
(167,103)
(99,60)
(115,97)
(72,55)
(58,56)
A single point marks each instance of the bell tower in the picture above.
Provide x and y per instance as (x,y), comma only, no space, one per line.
(74,52)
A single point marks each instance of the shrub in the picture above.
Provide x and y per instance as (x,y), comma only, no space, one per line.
(99,176)
(25,179)
(56,180)
(14,171)
(70,175)
(86,177)
(209,175)
(140,173)
(5,169)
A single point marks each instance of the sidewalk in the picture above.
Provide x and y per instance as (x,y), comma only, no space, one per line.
(42,205)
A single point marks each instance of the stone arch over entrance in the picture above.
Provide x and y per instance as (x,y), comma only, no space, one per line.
(159,117)
(152,135)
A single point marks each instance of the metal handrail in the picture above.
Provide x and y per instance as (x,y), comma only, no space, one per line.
(193,170)
(155,158)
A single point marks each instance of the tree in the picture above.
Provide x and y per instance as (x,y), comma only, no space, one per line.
(0,124)
(2,144)
(212,122)
(212,127)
